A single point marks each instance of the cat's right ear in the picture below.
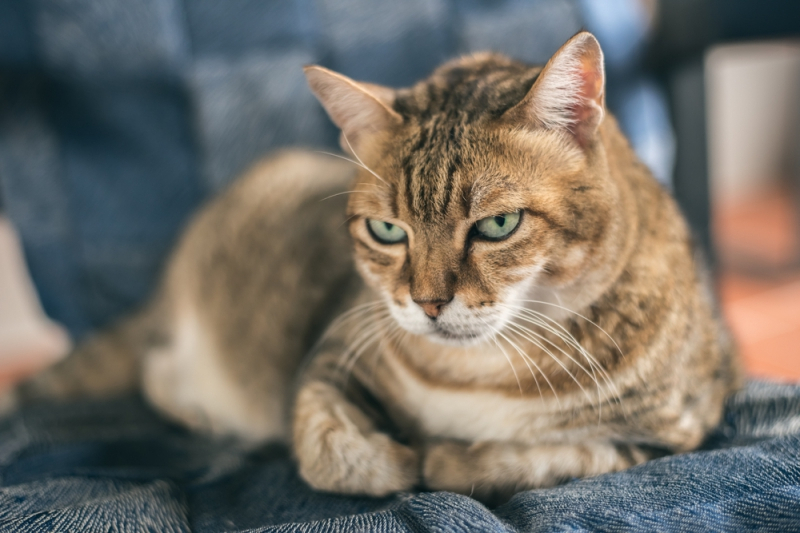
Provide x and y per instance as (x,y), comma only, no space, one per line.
(358,109)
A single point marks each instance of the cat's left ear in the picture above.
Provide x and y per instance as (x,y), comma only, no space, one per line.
(569,93)
(358,109)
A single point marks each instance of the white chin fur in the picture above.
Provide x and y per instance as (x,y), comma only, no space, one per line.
(457,325)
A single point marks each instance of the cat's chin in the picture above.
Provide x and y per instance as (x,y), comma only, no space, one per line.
(448,338)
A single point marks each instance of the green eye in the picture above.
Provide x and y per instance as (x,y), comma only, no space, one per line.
(498,227)
(384,232)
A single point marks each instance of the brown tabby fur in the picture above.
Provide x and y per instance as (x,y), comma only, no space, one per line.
(586,342)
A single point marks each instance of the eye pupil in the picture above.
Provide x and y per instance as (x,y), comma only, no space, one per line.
(498,227)
(385,232)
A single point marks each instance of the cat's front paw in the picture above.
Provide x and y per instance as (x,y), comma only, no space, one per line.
(373,465)
(472,469)
(338,451)
(446,467)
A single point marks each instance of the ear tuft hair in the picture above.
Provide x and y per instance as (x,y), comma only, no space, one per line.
(569,94)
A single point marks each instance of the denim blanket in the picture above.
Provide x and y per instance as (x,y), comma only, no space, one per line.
(117,466)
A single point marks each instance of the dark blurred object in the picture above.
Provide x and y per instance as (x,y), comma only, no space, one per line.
(685,30)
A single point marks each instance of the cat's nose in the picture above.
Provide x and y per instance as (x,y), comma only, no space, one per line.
(432,308)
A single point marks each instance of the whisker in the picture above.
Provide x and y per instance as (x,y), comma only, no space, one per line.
(369,341)
(356,163)
(526,360)
(377,335)
(526,334)
(360,161)
(368,328)
(594,364)
(525,356)
(536,317)
(508,359)
(345,221)
(569,341)
(389,337)
(581,316)
(548,341)
(349,315)
(346,192)
(348,359)
(344,318)
(359,329)
(568,338)
(527,364)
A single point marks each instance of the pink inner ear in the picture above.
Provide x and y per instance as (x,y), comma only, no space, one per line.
(587,107)
(592,78)
(591,92)
(569,93)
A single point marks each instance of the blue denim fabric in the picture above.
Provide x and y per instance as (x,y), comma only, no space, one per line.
(116,465)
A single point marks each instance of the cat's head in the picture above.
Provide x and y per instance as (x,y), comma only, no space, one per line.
(477,185)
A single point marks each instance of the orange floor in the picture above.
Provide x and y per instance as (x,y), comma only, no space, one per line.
(760,283)
(765,319)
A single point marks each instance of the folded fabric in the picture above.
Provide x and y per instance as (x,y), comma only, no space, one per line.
(117,466)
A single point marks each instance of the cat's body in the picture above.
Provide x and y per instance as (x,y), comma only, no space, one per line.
(532,310)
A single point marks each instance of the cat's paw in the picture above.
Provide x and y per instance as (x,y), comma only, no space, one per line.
(472,469)
(348,462)
(337,451)
(446,467)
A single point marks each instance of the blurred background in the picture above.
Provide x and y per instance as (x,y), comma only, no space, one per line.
(118,118)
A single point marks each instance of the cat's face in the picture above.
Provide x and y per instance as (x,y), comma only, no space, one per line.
(455,255)
(459,210)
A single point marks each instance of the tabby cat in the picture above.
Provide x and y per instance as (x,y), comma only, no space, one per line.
(529,307)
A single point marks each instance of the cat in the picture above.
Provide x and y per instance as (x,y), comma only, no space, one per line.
(519,302)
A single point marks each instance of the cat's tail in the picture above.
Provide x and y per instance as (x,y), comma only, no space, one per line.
(107,363)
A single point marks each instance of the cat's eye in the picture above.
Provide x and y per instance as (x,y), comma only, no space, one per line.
(498,227)
(385,232)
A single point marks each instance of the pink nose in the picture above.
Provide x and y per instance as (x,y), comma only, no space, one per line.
(432,308)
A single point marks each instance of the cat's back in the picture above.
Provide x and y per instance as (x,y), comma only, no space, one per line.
(280,220)
(269,248)
(256,278)
(276,185)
